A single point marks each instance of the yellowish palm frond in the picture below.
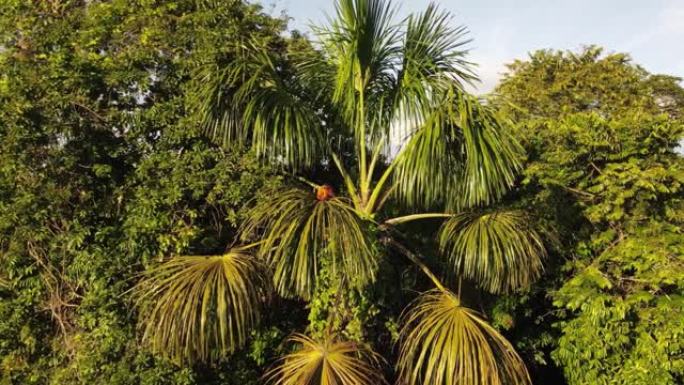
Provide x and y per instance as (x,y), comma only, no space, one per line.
(445,343)
(330,361)
(201,308)
(4,279)
(298,231)
(497,250)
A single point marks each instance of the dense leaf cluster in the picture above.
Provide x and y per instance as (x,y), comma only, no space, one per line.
(602,170)
(102,172)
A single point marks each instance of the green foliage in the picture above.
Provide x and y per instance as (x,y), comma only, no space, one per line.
(103,171)
(328,111)
(370,76)
(301,231)
(377,76)
(602,170)
(250,100)
(351,313)
(555,83)
(630,311)
(106,177)
(460,157)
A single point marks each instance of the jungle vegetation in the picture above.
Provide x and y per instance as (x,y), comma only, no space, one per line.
(191,193)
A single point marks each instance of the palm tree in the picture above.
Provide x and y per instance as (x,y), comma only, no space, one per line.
(382,105)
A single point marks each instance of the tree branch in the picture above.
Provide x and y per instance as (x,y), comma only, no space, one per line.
(413,257)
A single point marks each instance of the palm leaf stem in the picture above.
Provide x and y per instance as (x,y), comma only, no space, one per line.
(247,246)
(414,217)
(364,182)
(374,159)
(349,184)
(378,188)
(413,257)
(385,197)
(307,182)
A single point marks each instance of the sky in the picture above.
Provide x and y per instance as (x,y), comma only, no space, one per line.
(651,31)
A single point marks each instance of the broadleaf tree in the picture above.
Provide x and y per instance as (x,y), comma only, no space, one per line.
(102,173)
(603,169)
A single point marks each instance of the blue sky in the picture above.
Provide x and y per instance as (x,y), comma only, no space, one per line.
(651,31)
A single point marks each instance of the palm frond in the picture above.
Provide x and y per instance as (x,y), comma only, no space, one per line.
(257,100)
(299,232)
(445,343)
(462,156)
(362,43)
(213,102)
(497,250)
(200,308)
(433,61)
(327,362)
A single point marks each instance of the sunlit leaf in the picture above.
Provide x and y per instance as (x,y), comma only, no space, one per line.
(330,361)
(361,42)
(298,232)
(255,100)
(462,156)
(433,61)
(445,343)
(200,308)
(497,250)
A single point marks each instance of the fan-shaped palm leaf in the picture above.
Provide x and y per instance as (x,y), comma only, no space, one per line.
(462,156)
(198,308)
(327,362)
(498,250)
(444,343)
(299,231)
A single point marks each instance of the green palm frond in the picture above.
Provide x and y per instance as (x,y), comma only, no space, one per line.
(199,308)
(445,343)
(434,49)
(284,123)
(215,106)
(327,362)
(4,277)
(257,100)
(362,42)
(299,232)
(462,156)
(433,61)
(498,250)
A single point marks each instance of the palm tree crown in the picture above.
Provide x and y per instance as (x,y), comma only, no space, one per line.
(381,104)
